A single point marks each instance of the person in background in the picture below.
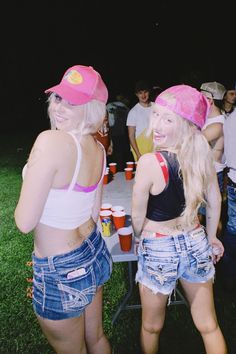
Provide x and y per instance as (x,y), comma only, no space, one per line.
(138,121)
(213,131)
(104,135)
(117,115)
(60,201)
(229,239)
(229,100)
(170,184)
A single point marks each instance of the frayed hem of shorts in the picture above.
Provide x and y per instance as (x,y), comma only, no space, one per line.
(155,291)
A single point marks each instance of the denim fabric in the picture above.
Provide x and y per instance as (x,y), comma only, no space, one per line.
(162,261)
(231,223)
(64,285)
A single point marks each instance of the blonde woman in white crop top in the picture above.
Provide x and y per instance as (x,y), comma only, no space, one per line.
(60,201)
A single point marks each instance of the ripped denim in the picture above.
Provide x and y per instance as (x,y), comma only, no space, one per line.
(162,261)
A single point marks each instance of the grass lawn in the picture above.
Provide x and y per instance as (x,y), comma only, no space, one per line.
(20,332)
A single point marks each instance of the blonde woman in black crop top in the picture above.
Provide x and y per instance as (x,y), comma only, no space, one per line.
(170,184)
(60,201)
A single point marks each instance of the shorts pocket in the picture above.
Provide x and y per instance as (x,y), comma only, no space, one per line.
(77,292)
(162,270)
(203,262)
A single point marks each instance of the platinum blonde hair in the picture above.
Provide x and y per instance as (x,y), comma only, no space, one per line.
(195,165)
(94,113)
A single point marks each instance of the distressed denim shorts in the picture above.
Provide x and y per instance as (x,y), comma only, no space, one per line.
(164,260)
(64,285)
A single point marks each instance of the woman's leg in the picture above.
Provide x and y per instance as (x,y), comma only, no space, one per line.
(200,297)
(65,336)
(153,316)
(95,338)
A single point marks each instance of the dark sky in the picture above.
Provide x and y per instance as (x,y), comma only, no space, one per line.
(165,42)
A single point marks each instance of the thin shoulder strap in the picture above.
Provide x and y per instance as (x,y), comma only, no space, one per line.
(104,161)
(163,165)
(74,178)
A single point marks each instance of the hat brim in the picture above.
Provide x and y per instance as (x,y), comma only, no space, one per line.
(70,95)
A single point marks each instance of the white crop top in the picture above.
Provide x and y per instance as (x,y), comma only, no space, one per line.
(69,208)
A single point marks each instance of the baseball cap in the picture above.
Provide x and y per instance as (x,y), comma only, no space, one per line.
(81,84)
(185,101)
(213,90)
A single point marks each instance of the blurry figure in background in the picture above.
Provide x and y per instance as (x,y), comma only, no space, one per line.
(229,100)
(170,184)
(213,131)
(117,115)
(138,121)
(104,135)
(60,201)
(229,239)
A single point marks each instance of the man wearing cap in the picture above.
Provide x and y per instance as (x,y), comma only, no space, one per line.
(213,131)
(138,121)
(229,240)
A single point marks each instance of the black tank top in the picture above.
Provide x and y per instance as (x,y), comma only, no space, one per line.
(170,203)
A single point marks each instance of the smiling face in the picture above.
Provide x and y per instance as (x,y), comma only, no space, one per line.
(64,115)
(165,127)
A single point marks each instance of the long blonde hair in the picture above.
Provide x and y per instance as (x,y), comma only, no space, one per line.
(196,166)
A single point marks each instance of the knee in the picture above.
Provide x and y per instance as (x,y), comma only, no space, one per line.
(207,326)
(152,328)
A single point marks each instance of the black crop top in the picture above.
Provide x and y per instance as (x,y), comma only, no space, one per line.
(170,203)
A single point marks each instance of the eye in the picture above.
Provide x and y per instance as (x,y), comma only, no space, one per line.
(57,97)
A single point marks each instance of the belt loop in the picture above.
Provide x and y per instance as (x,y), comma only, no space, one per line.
(177,244)
(51,263)
(187,242)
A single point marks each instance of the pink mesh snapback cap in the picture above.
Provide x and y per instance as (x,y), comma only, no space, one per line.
(185,101)
(81,84)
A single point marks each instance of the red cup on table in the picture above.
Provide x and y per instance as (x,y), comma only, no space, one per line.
(113,167)
(130,164)
(128,173)
(125,238)
(117,208)
(118,218)
(106,178)
(106,206)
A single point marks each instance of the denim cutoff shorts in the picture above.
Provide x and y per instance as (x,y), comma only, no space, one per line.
(64,285)
(164,260)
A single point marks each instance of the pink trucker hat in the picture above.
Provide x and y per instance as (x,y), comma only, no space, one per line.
(81,84)
(185,101)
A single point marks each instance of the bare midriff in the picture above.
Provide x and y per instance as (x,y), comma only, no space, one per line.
(50,241)
(170,227)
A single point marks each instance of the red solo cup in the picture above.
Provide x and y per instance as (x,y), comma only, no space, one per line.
(128,173)
(125,238)
(117,208)
(105,178)
(130,164)
(118,219)
(106,206)
(113,167)
(105,214)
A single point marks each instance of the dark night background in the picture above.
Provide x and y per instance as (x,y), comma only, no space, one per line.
(166,42)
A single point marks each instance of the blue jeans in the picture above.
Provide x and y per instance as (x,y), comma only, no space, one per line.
(164,260)
(229,239)
(64,285)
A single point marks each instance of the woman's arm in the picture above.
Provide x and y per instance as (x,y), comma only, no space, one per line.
(213,131)
(142,185)
(97,202)
(37,182)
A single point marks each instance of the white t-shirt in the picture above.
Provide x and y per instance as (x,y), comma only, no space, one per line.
(139,117)
(230,144)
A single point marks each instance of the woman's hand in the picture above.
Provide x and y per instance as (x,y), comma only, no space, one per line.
(217,249)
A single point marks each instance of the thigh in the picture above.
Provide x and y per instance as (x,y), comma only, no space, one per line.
(201,300)
(153,307)
(66,336)
(93,318)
